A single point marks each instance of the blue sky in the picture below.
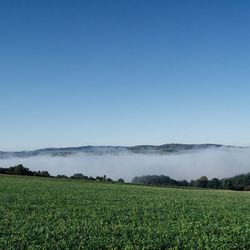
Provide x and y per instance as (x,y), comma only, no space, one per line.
(123,72)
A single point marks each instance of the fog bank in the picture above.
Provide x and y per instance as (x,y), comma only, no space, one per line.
(186,165)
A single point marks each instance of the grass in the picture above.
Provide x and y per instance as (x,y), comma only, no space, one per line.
(44,213)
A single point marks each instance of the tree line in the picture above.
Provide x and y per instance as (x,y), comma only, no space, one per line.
(239,182)
(21,170)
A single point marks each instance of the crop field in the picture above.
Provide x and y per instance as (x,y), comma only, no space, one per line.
(43,213)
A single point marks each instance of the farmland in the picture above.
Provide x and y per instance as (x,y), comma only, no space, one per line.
(45,213)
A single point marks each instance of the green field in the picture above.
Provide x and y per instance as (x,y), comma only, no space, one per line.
(43,213)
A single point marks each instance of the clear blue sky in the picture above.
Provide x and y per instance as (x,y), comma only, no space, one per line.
(124,72)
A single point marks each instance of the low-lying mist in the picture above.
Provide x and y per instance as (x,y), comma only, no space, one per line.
(218,163)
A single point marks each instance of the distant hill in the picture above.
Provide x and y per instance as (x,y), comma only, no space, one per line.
(102,150)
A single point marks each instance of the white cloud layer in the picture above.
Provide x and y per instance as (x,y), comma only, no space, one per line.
(212,163)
